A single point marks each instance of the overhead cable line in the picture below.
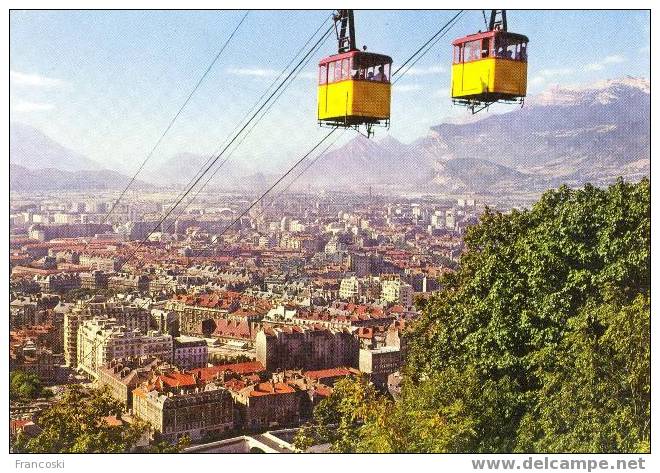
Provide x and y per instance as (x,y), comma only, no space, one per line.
(176,116)
(442,31)
(217,157)
(424,53)
(264,194)
(309,165)
(249,131)
(256,103)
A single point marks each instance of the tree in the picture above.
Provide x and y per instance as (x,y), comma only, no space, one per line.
(340,418)
(77,423)
(538,342)
(163,446)
(25,386)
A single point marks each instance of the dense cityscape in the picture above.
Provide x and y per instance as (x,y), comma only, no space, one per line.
(206,336)
(459,263)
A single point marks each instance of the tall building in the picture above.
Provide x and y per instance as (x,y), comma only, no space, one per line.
(379,363)
(59,283)
(101,340)
(129,315)
(450,219)
(274,403)
(350,289)
(102,263)
(122,376)
(397,291)
(177,404)
(308,348)
(365,264)
(190,352)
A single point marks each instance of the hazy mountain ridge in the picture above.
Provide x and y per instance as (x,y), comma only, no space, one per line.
(32,149)
(567,135)
(22,179)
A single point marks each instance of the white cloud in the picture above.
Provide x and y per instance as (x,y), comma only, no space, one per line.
(252,71)
(607,60)
(562,71)
(443,92)
(34,80)
(26,107)
(423,71)
(538,80)
(614,59)
(407,88)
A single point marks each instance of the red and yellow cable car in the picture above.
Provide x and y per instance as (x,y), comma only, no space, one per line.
(490,67)
(354,86)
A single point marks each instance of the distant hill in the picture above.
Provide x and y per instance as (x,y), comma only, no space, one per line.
(32,149)
(22,179)
(565,135)
(180,168)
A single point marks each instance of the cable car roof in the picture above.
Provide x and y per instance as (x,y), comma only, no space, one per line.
(490,34)
(365,56)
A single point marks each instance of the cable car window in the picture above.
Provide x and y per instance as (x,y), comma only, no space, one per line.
(457,54)
(331,72)
(500,46)
(345,68)
(355,68)
(485,47)
(383,74)
(511,51)
(337,71)
(522,55)
(472,50)
(323,75)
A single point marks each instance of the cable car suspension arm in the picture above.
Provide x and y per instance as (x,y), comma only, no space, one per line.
(345,29)
(497,20)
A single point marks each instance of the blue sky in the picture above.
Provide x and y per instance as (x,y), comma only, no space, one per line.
(107,83)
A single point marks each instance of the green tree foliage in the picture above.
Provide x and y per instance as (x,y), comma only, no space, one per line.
(26,386)
(163,446)
(345,418)
(539,341)
(76,424)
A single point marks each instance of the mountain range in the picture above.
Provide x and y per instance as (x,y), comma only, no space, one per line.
(22,179)
(570,135)
(563,136)
(39,163)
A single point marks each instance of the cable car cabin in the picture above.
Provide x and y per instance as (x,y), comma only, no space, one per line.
(354,89)
(489,67)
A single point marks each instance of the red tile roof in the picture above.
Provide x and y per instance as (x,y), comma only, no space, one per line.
(266,389)
(249,367)
(331,373)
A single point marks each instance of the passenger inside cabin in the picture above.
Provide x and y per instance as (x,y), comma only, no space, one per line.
(484,48)
(381,74)
(370,75)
